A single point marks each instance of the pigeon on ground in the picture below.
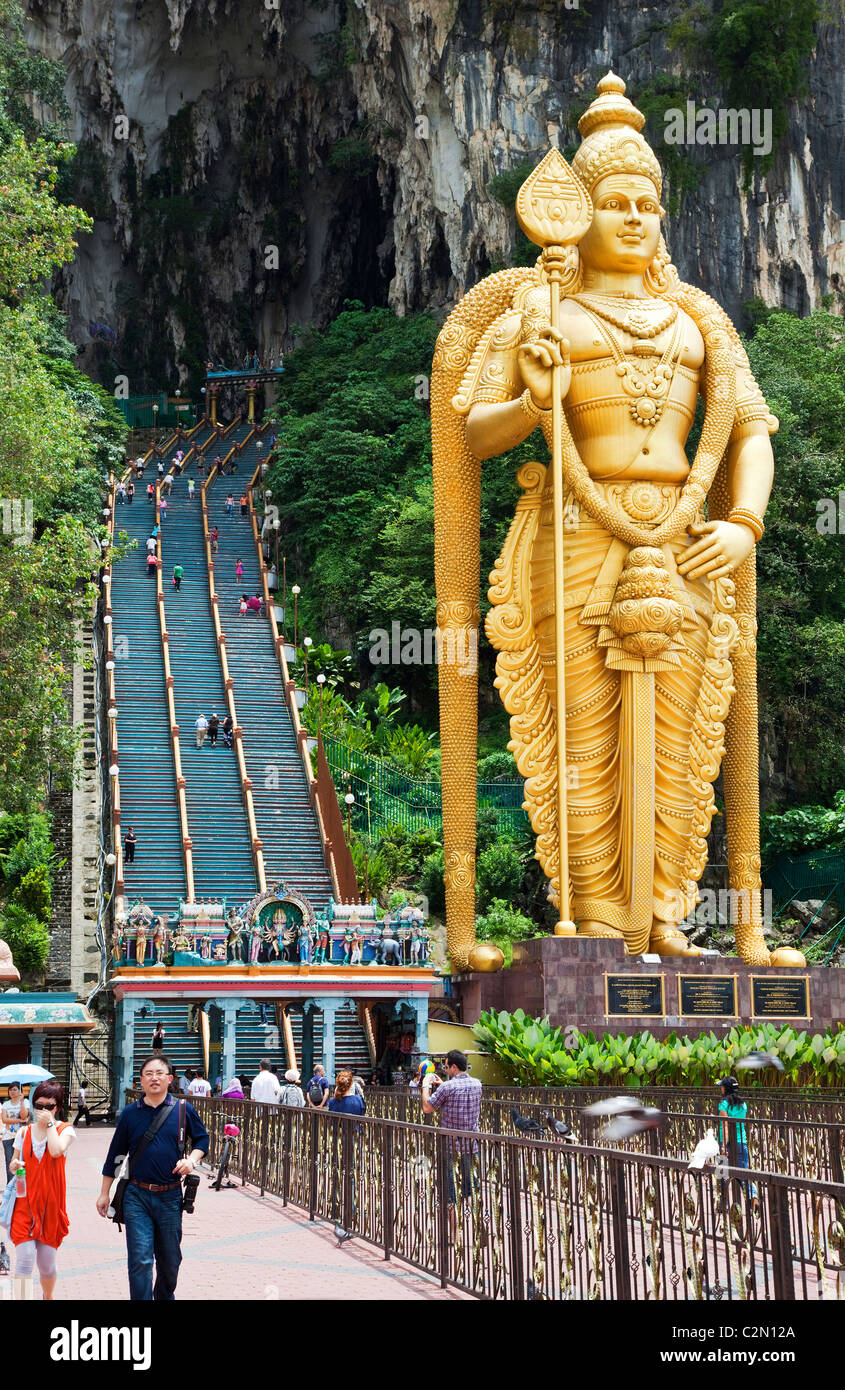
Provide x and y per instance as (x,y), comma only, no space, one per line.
(704,1150)
(559,1128)
(340,1235)
(524,1124)
(755,1061)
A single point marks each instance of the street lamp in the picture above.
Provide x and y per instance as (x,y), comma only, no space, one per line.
(111,859)
(350,802)
(276,528)
(306,642)
(321,680)
(296,591)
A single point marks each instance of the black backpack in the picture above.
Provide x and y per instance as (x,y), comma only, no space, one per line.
(315,1093)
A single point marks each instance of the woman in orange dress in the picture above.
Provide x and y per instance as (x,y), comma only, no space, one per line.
(40,1222)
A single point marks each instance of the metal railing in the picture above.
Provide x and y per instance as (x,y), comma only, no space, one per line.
(387,796)
(814,1149)
(503,1218)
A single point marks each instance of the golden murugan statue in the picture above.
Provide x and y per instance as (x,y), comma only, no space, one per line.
(611,558)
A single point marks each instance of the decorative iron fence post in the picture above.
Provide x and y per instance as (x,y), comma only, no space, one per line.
(518,1289)
(312,1165)
(245,1145)
(287,1125)
(264,1139)
(619,1219)
(442,1169)
(781,1237)
(834,1142)
(387,1191)
(347,1143)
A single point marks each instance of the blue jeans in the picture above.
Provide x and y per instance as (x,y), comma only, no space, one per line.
(153,1232)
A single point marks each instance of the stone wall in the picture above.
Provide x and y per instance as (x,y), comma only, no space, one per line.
(57,976)
(564,978)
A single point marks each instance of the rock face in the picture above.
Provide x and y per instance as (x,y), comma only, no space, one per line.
(250,163)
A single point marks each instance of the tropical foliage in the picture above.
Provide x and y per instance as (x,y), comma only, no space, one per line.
(26,862)
(536,1054)
(804,829)
(504,926)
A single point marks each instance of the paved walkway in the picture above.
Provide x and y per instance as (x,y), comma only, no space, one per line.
(236,1245)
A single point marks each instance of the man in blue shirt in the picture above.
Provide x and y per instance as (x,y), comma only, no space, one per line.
(152,1206)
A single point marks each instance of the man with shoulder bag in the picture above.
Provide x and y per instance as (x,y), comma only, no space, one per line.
(151,1140)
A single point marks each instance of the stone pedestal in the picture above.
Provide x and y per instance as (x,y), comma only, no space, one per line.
(568,978)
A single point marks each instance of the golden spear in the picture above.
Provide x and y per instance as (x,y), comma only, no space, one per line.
(554,210)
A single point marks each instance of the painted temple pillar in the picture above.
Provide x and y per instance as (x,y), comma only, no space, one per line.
(124,1045)
(36,1049)
(307,1058)
(229,1009)
(251,387)
(329,1004)
(419,1006)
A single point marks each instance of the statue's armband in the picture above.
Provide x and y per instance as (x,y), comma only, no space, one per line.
(492,376)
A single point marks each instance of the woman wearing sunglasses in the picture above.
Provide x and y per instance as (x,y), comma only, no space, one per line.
(39,1221)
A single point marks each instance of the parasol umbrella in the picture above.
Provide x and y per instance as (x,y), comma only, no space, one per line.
(24,1074)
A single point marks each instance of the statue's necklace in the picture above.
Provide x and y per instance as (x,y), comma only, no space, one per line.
(648,396)
(636,320)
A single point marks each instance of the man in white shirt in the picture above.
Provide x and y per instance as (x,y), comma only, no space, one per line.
(265,1085)
(201,727)
(199,1086)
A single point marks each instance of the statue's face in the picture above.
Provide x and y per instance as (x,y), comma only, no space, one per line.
(625,231)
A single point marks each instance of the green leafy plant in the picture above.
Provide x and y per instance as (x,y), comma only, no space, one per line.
(803,829)
(34,892)
(537,1054)
(432,882)
(499,873)
(504,926)
(27,938)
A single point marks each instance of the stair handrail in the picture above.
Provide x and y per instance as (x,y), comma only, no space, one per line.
(329,850)
(187,843)
(111,741)
(229,688)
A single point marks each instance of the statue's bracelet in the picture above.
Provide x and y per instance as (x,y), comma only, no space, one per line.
(530,406)
(743,516)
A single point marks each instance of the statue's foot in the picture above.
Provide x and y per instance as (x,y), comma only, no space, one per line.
(600,929)
(667,940)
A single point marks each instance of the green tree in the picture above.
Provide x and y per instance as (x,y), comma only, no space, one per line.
(800,365)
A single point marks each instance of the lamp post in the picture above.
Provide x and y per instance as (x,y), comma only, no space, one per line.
(296,591)
(306,642)
(155,418)
(350,802)
(276,528)
(321,680)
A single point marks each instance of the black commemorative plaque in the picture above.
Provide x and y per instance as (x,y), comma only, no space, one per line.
(710,995)
(629,996)
(780,996)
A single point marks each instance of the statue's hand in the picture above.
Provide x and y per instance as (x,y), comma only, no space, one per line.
(536,361)
(722,547)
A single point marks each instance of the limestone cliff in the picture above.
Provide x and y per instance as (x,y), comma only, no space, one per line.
(359,139)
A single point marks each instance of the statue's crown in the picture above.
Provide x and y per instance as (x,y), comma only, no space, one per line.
(612,142)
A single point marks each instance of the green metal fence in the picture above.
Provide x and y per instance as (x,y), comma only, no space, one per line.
(139,413)
(385,796)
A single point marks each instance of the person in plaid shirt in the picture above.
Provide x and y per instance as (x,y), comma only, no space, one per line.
(458,1102)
